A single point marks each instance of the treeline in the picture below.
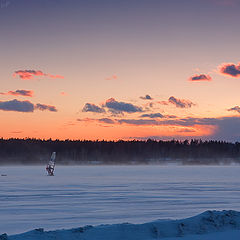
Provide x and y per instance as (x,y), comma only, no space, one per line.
(37,151)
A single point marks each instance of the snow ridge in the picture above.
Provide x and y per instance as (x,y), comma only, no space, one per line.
(207,222)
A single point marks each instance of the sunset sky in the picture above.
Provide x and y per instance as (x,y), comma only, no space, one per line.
(120,69)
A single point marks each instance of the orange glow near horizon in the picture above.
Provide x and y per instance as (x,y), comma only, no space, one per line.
(108,74)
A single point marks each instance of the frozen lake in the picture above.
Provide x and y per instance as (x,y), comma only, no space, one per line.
(82,195)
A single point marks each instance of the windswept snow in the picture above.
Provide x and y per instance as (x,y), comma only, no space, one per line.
(210,225)
(94,195)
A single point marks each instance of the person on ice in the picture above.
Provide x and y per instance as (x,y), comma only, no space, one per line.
(51,165)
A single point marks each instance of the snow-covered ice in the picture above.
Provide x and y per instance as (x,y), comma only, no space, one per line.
(94,195)
(210,225)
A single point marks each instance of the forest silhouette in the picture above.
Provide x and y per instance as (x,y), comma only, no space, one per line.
(38,151)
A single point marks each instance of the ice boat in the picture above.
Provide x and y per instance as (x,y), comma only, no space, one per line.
(51,165)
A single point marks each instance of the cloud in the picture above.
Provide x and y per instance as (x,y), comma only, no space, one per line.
(228,129)
(25,93)
(147,97)
(180,103)
(17,132)
(113,77)
(230,69)
(187,122)
(138,122)
(170,116)
(44,107)
(121,107)
(186,130)
(18,106)
(24,106)
(222,128)
(106,120)
(152,115)
(31,74)
(236,108)
(63,93)
(89,107)
(163,102)
(200,77)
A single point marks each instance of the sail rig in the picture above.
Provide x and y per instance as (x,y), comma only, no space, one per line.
(51,165)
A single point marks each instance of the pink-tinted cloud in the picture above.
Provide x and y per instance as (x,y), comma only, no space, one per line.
(113,77)
(200,77)
(24,93)
(31,74)
(230,69)
(163,102)
(63,93)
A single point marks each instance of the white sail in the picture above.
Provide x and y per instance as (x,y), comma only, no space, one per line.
(51,164)
(52,160)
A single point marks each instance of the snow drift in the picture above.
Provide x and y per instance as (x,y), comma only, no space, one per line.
(205,223)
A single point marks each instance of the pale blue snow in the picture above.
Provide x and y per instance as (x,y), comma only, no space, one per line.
(93,195)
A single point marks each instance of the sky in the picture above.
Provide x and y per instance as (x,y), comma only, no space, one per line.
(111,69)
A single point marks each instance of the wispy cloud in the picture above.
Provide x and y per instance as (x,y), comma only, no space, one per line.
(236,108)
(146,97)
(44,107)
(31,74)
(63,93)
(106,120)
(152,115)
(222,128)
(113,77)
(200,77)
(187,122)
(186,130)
(181,103)
(24,93)
(120,107)
(89,107)
(230,69)
(163,102)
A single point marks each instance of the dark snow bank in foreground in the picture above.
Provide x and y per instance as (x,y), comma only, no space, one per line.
(210,224)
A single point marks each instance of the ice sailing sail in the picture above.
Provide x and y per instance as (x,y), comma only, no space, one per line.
(51,165)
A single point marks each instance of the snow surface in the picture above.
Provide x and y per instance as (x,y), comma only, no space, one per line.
(210,225)
(93,195)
